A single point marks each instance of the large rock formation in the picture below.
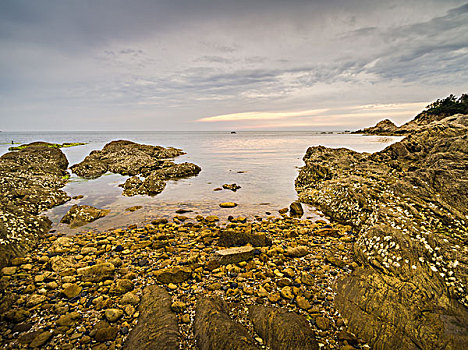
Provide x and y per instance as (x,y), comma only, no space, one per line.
(130,158)
(125,158)
(30,182)
(408,204)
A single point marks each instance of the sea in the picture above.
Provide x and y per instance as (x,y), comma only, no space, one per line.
(263,163)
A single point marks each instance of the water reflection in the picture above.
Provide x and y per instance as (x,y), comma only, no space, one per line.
(264,164)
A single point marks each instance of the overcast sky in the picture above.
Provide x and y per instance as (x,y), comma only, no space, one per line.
(226,64)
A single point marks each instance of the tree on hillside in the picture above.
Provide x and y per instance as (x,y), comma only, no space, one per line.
(448,106)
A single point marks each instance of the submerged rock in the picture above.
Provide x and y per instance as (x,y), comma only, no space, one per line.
(408,204)
(80,215)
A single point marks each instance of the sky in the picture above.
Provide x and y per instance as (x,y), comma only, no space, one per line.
(226,65)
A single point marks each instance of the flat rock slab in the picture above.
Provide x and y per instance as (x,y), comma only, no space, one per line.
(234,255)
(282,329)
(157,327)
(214,329)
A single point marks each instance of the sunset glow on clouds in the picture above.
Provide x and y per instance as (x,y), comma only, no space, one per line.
(338,117)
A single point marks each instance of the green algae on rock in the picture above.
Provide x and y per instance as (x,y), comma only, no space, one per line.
(52,145)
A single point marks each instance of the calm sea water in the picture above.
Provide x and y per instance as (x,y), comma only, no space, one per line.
(264,164)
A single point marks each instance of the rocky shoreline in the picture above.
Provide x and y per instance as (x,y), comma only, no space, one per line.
(388,272)
(103,290)
(408,204)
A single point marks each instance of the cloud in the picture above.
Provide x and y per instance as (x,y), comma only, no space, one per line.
(170,63)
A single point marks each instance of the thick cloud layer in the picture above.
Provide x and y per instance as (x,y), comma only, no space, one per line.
(171,65)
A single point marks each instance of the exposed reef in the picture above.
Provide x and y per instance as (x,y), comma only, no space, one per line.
(147,165)
(409,205)
(30,182)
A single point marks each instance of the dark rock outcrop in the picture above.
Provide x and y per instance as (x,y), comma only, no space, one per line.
(384,127)
(136,160)
(80,215)
(408,204)
(214,329)
(282,329)
(30,182)
(125,158)
(157,327)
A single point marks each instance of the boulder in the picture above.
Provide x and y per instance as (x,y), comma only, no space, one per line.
(80,215)
(282,329)
(408,205)
(214,329)
(157,327)
(295,209)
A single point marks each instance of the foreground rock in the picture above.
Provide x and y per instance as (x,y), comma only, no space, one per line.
(80,215)
(30,182)
(147,165)
(214,329)
(409,204)
(281,329)
(98,290)
(157,327)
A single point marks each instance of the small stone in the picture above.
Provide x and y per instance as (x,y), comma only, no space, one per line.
(8,271)
(178,306)
(323,323)
(72,291)
(307,279)
(185,318)
(41,339)
(173,275)
(129,298)
(68,319)
(303,303)
(172,286)
(297,252)
(228,205)
(295,209)
(274,297)
(113,315)
(234,255)
(122,286)
(286,293)
(105,334)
